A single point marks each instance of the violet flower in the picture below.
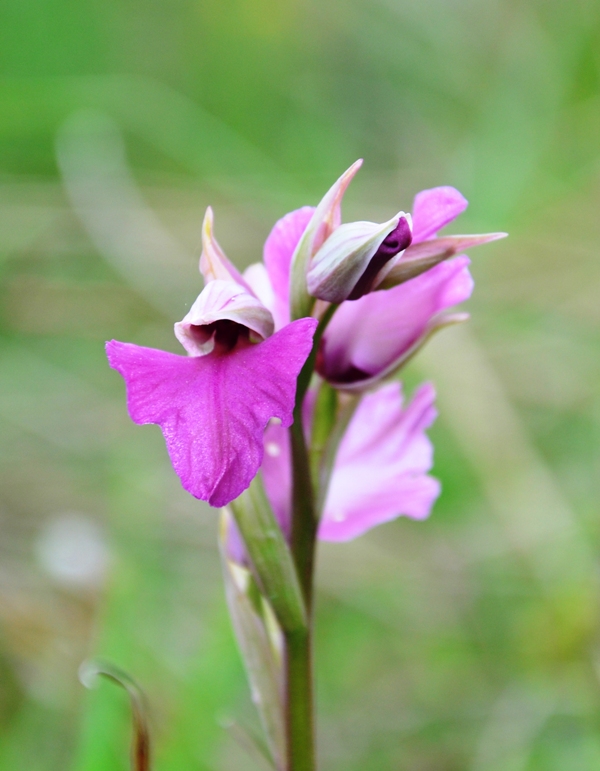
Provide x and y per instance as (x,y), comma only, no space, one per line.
(213,405)
(380,471)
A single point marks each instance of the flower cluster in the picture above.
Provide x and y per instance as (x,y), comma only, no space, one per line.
(376,292)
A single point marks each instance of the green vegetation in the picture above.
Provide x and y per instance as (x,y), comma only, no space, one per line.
(467,642)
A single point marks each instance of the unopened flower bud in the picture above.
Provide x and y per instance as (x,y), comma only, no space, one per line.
(325,221)
(356,257)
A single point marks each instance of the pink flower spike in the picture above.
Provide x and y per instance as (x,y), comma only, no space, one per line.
(367,339)
(381,468)
(213,409)
(433,209)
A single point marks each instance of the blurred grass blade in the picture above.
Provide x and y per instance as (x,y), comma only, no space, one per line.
(140,755)
(257,648)
(91,155)
(253,744)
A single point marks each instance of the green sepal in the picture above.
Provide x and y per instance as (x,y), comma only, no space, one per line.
(322,424)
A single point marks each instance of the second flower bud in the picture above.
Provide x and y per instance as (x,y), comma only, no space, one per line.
(356,258)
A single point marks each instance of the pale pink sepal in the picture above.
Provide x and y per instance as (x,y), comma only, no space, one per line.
(433,209)
(380,471)
(258,280)
(278,251)
(367,338)
(382,463)
(325,219)
(214,264)
(449,245)
(213,409)
(222,301)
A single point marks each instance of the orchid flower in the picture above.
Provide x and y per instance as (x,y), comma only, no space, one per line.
(303,341)
(214,404)
(380,471)
(416,280)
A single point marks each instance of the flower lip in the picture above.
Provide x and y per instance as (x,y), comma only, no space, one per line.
(395,242)
(223,317)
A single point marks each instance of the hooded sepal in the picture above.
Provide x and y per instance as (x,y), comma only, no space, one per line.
(222,301)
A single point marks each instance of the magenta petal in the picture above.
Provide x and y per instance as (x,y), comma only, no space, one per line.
(368,335)
(278,252)
(213,409)
(433,209)
(380,470)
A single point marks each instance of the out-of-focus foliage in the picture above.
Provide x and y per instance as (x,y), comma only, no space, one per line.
(466,642)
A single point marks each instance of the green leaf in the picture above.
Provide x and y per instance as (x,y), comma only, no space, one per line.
(260,650)
(271,560)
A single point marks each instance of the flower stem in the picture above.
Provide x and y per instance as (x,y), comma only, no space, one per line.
(299,713)
(298,672)
(298,675)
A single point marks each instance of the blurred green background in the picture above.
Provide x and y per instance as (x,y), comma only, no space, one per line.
(469,642)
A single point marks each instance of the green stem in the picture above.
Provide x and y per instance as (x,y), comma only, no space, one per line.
(299,713)
(298,674)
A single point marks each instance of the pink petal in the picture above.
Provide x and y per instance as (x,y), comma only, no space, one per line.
(277,473)
(258,280)
(366,336)
(278,252)
(433,209)
(380,471)
(410,496)
(213,409)
(214,264)
(449,245)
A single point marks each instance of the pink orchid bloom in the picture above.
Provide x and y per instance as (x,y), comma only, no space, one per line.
(380,471)
(368,338)
(214,404)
